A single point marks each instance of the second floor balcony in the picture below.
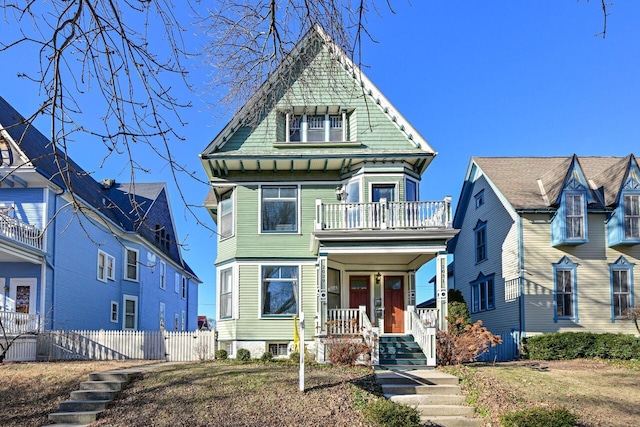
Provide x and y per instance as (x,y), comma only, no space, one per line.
(384,215)
(20,232)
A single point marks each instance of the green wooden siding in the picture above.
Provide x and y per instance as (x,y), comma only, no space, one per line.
(367,123)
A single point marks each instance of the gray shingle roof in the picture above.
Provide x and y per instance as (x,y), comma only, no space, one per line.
(536,182)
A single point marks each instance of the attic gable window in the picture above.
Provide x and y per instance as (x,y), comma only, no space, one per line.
(316,127)
(6,155)
(575,216)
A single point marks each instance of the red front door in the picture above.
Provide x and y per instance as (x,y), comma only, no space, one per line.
(359,292)
(394,304)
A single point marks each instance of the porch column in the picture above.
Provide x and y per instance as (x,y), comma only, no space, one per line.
(321,280)
(441,291)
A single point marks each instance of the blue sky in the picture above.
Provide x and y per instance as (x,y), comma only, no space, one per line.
(475,78)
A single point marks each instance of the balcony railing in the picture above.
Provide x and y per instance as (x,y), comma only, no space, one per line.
(20,232)
(383,215)
(19,323)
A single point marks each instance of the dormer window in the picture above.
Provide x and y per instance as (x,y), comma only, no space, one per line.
(316,127)
(632,216)
(575,216)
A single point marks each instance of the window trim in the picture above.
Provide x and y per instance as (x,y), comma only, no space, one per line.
(133,298)
(565,264)
(408,180)
(183,320)
(481,227)
(303,127)
(624,216)
(488,284)
(128,249)
(621,264)
(479,198)
(116,312)
(228,197)
(183,292)
(582,216)
(297,290)
(375,184)
(176,283)
(108,267)
(163,275)
(221,294)
(161,315)
(298,224)
(176,322)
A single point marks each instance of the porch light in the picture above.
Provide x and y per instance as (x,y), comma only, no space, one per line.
(340,194)
(378,278)
(6,289)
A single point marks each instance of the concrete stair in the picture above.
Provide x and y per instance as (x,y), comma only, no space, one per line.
(405,378)
(86,404)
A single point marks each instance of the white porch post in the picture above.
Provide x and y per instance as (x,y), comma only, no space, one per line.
(441,291)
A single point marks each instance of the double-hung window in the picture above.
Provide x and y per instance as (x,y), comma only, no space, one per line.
(115,311)
(225,222)
(482,294)
(575,216)
(226,293)
(621,288)
(564,273)
(631,216)
(279,209)
(161,315)
(130,317)
(131,269)
(106,266)
(480,241)
(279,290)
(184,287)
(163,275)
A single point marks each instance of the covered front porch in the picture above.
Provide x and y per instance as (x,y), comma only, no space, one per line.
(372,294)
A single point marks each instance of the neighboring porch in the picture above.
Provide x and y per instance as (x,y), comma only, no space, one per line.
(13,323)
(16,231)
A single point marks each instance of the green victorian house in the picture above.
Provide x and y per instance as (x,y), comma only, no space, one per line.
(315,194)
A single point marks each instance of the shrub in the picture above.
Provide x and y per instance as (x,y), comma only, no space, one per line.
(385,413)
(459,345)
(267,356)
(221,354)
(295,356)
(346,352)
(540,417)
(574,345)
(243,355)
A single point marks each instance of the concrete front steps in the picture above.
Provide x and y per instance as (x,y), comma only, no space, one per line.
(405,378)
(94,395)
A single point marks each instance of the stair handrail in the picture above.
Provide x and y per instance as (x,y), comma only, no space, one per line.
(425,336)
(370,336)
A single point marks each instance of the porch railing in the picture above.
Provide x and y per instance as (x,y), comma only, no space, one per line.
(19,323)
(20,232)
(344,321)
(424,335)
(383,215)
(370,335)
(428,316)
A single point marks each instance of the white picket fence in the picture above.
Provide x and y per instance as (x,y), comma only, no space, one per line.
(22,350)
(118,345)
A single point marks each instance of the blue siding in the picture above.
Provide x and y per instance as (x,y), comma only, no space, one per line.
(504,352)
(29,203)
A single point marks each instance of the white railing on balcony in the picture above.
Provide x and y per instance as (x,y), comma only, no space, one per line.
(383,215)
(19,323)
(424,335)
(20,232)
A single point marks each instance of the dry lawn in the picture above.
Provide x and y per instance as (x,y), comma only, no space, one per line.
(236,394)
(30,391)
(600,393)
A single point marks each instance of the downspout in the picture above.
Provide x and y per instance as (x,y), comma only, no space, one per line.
(521,271)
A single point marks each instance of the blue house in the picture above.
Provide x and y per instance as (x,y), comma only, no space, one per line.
(76,253)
